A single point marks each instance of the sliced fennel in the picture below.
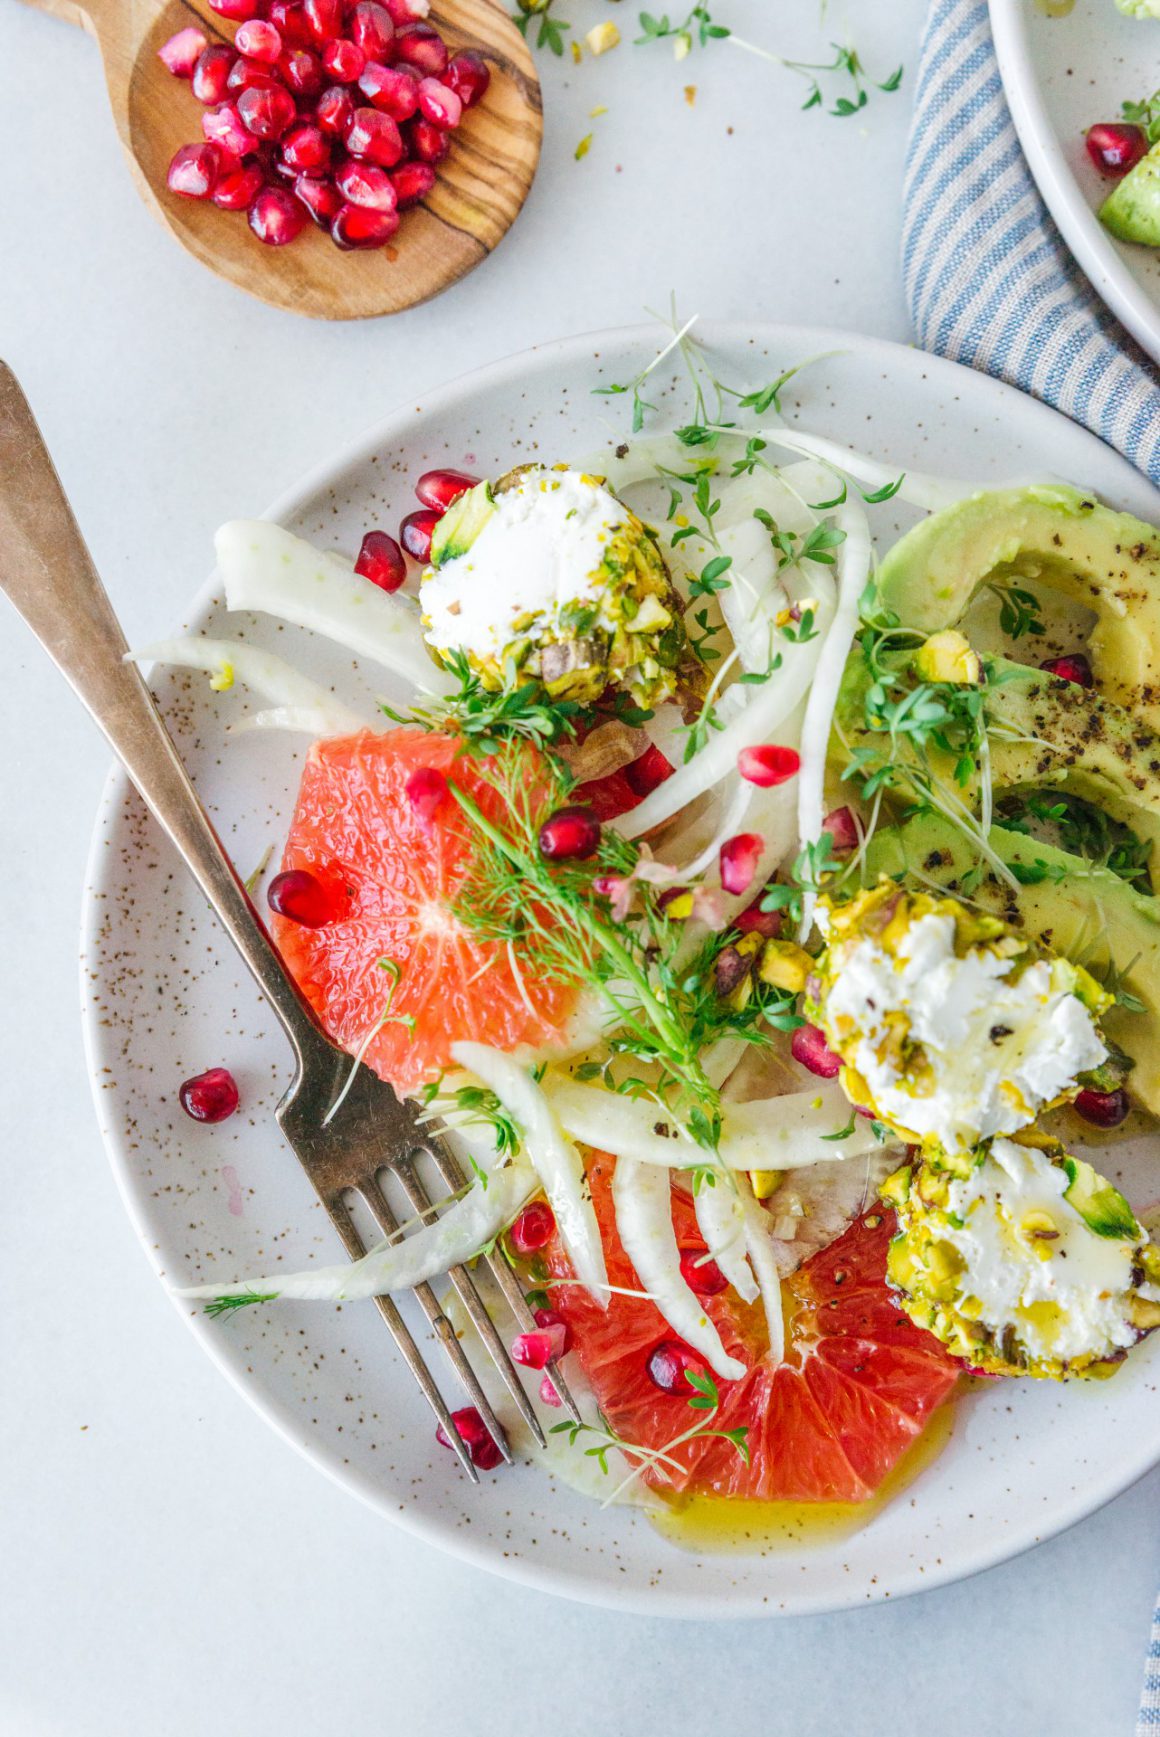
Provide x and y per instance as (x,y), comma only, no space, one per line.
(764,1262)
(855,558)
(270,677)
(458,1234)
(642,1200)
(553,1156)
(298,720)
(721,1220)
(265,568)
(780,1133)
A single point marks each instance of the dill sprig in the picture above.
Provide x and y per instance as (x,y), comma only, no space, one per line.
(226,1305)
(660,1013)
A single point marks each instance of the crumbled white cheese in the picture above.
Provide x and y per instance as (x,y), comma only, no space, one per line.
(1032,1263)
(540,549)
(996,1051)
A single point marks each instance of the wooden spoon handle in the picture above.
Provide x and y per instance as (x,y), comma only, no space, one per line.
(90,15)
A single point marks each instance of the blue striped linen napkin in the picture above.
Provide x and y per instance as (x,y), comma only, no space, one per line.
(988,277)
(990,282)
(1148,1718)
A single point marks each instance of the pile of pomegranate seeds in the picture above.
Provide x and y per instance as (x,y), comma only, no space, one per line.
(333,110)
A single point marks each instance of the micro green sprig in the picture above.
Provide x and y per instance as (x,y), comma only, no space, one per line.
(705,1398)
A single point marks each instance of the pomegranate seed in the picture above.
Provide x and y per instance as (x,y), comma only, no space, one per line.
(1103,1109)
(426,790)
(238,188)
(259,40)
(209,1097)
(468,75)
(668,1366)
(843,831)
(570,835)
(267,113)
(380,559)
(248,74)
(437,489)
(533,1229)
(302,71)
(439,103)
(225,127)
(394,89)
(237,11)
(289,21)
(358,226)
(306,148)
(211,74)
(754,921)
(536,1350)
(1115,146)
(1072,668)
(343,60)
(363,184)
(768,765)
(276,217)
(548,1394)
(404,12)
(809,1047)
(374,136)
(550,1318)
(412,182)
(701,1275)
(296,893)
(415,533)
(738,859)
(183,51)
(647,772)
(420,45)
(323,19)
(334,110)
(427,141)
(194,171)
(321,198)
(372,29)
(472,1432)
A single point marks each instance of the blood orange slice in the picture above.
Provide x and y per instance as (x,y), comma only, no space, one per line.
(858,1384)
(394,876)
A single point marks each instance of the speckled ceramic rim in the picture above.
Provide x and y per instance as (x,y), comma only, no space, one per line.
(1096,253)
(663,1601)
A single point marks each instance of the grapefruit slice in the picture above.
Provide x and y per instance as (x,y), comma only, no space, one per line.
(394,878)
(858,1384)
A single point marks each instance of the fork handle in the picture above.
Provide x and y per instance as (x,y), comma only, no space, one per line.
(48,573)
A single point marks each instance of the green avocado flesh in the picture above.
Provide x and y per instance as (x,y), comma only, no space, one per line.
(1049,537)
(1087,914)
(1131,211)
(1043,733)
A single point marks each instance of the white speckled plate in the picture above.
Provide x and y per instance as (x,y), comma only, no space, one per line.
(165,998)
(1061,75)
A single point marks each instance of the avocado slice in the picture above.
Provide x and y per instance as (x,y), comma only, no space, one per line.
(1088,915)
(1062,737)
(1058,538)
(1131,211)
(1102,1207)
(461,524)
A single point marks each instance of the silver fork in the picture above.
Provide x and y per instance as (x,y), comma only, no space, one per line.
(48,573)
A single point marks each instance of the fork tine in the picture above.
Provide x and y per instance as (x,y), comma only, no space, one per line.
(444,1331)
(472,1301)
(356,1248)
(449,1169)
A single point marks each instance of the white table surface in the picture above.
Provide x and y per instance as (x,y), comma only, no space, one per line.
(167,1565)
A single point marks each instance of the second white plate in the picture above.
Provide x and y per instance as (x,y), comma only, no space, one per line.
(1061,75)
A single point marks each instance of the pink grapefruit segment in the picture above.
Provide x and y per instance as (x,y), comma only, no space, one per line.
(395,873)
(857,1387)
